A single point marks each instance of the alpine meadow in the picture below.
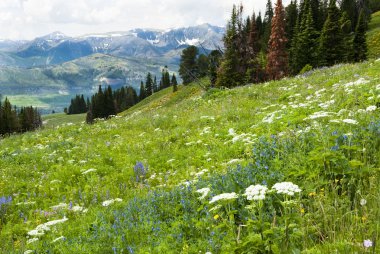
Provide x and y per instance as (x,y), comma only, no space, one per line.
(267,142)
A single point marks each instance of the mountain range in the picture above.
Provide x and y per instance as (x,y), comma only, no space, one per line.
(55,67)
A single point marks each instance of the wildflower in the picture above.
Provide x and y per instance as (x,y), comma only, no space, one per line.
(233,161)
(28,251)
(58,239)
(224,196)
(32,240)
(350,121)
(371,108)
(256,192)
(216,217)
(111,201)
(89,171)
(367,243)
(204,192)
(286,188)
(363,202)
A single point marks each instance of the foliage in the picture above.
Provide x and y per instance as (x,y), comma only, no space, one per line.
(277,65)
(13,120)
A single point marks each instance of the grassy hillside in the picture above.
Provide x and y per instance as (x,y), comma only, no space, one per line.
(138,183)
(373,36)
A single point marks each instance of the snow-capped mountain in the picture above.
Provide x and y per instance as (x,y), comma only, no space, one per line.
(57,48)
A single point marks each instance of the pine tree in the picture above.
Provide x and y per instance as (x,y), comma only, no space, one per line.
(267,24)
(347,41)
(331,39)
(360,43)
(214,63)
(291,19)
(142,95)
(277,66)
(202,63)
(149,85)
(228,73)
(155,86)
(254,70)
(350,8)
(174,83)
(188,69)
(305,47)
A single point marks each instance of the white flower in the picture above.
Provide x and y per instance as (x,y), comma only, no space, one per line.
(59,206)
(89,171)
(224,196)
(371,108)
(286,188)
(367,243)
(208,252)
(58,239)
(204,192)
(32,240)
(256,192)
(350,121)
(233,161)
(111,201)
(77,208)
(28,251)
(363,202)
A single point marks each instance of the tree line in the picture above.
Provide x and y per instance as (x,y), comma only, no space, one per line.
(106,102)
(286,41)
(18,120)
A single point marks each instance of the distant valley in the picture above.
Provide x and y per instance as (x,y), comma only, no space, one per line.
(47,71)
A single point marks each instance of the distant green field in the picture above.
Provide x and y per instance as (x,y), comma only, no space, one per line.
(54,120)
(373,36)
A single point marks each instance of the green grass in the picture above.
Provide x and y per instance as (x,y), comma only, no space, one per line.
(189,140)
(53,120)
(373,36)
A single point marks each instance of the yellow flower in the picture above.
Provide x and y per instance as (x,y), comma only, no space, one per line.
(302,211)
(364,219)
(216,217)
(312,194)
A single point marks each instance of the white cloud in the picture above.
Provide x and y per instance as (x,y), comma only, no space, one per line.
(20,19)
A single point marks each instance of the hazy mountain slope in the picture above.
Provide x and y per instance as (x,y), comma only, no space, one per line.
(53,86)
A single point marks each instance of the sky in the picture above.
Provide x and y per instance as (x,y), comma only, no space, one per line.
(27,19)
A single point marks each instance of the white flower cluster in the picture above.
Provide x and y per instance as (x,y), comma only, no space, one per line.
(224,196)
(286,188)
(204,192)
(350,121)
(111,201)
(371,108)
(256,192)
(40,229)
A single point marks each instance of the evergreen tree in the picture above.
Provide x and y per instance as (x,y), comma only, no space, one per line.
(267,23)
(174,83)
(142,95)
(331,39)
(109,103)
(149,85)
(202,63)
(254,70)
(214,63)
(347,41)
(155,86)
(360,43)
(277,66)
(350,8)
(305,47)
(291,19)
(228,73)
(188,69)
